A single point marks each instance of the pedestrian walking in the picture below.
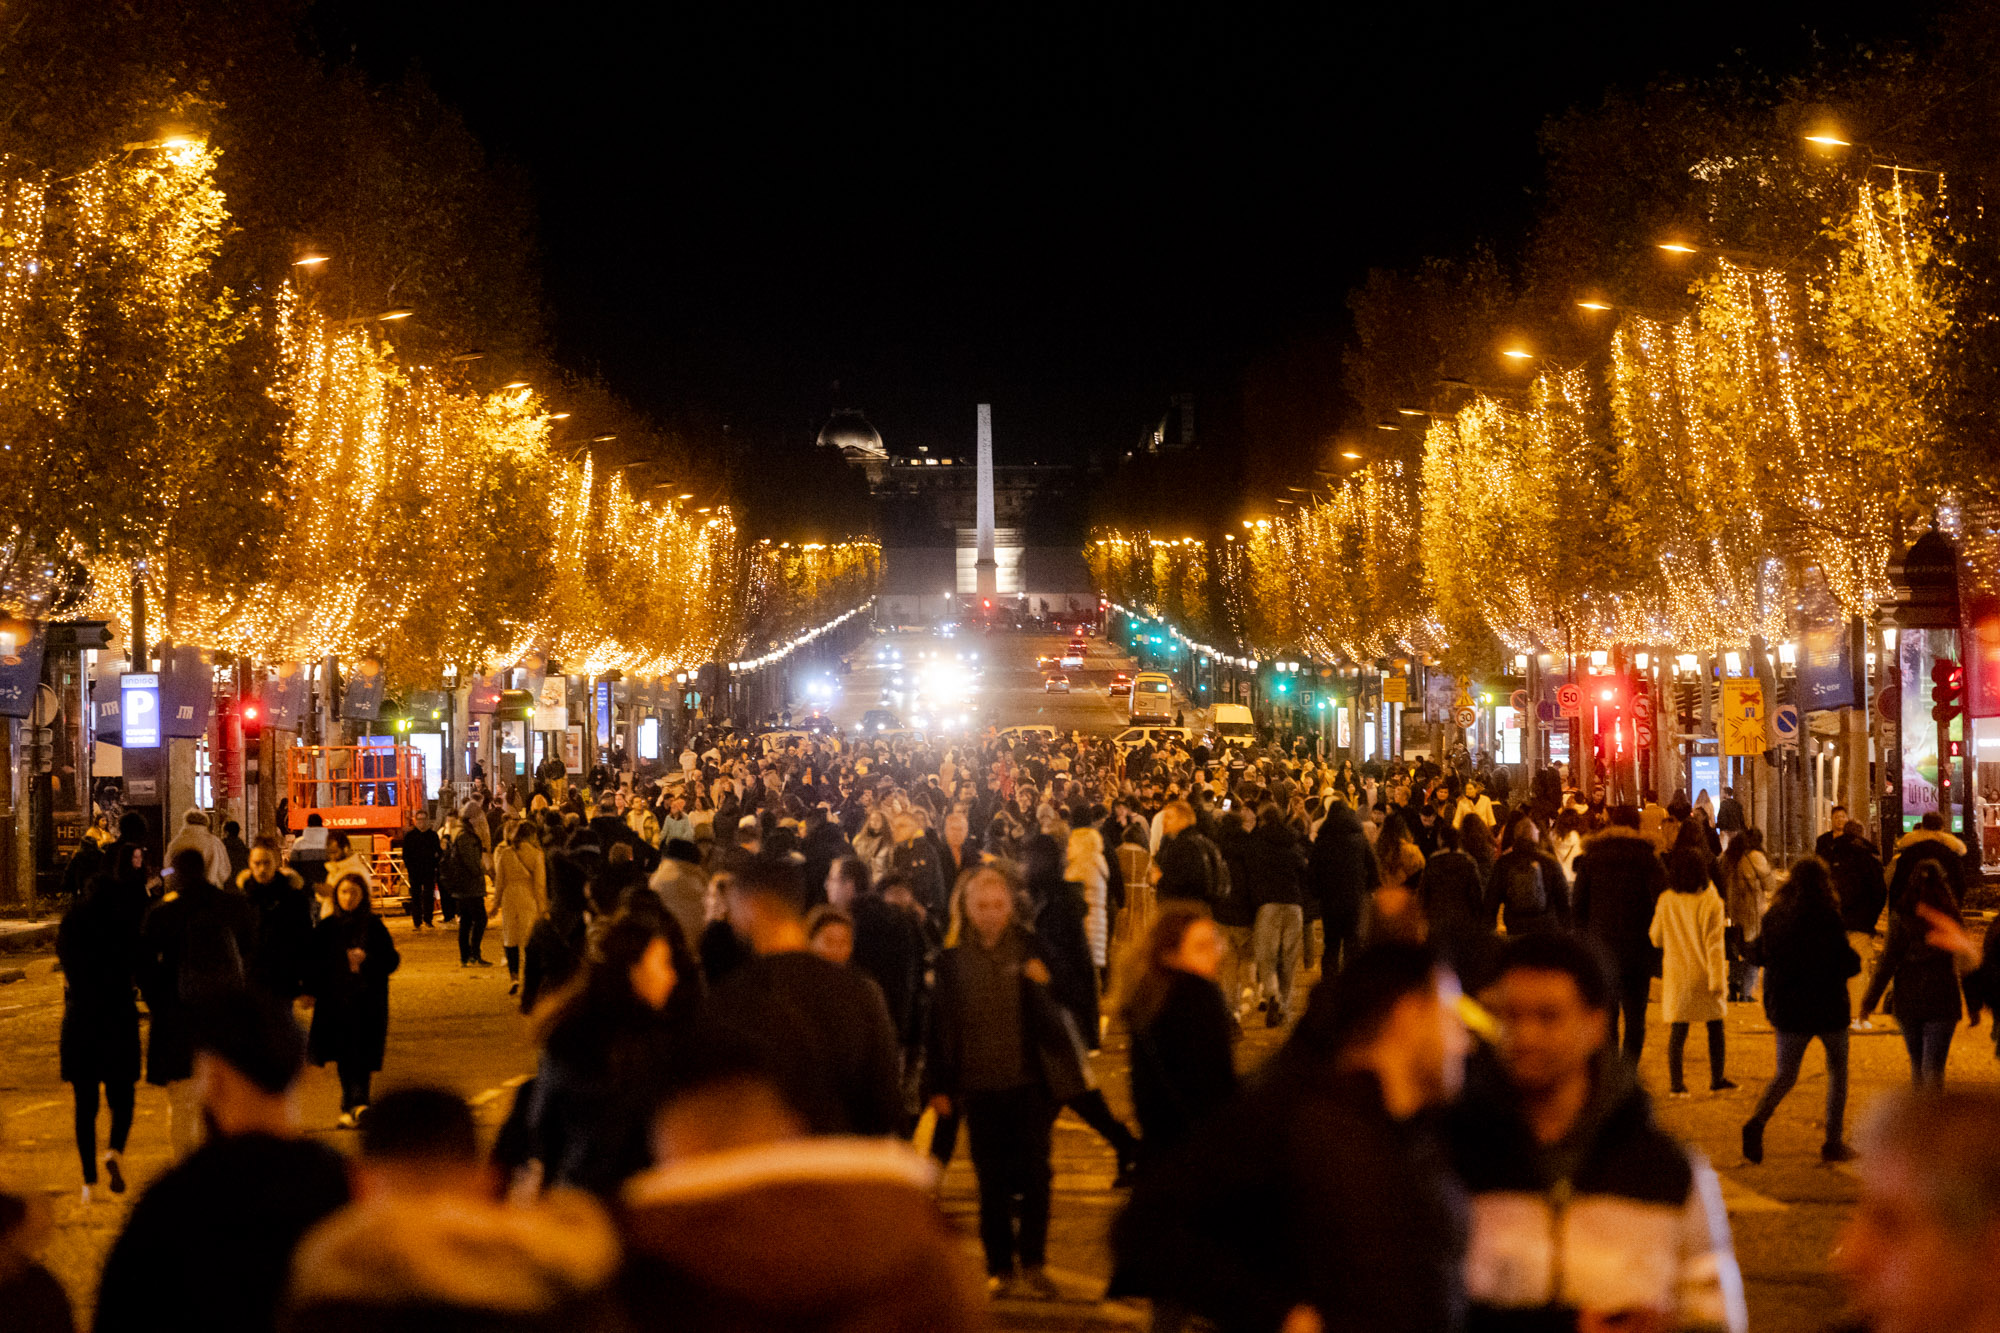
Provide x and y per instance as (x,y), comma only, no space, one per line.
(1619,880)
(1585,1213)
(1086,866)
(1341,873)
(1526,889)
(1687,929)
(1001,1056)
(520,877)
(1807,960)
(1277,863)
(1183,1032)
(608,1044)
(422,853)
(284,908)
(209,1244)
(1927,996)
(1319,1196)
(193,949)
(348,979)
(98,950)
(462,878)
(1747,880)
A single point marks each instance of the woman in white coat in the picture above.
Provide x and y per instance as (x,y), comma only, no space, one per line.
(1687,928)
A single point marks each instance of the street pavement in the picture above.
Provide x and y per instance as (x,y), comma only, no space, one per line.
(460,1028)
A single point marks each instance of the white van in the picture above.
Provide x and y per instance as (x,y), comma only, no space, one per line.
(1233,724)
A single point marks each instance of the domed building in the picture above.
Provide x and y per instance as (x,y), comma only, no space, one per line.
(849,432)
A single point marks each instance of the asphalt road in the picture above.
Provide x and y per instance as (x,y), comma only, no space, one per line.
(938,684)
(459,1028)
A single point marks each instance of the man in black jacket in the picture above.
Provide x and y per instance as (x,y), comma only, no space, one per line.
(209,1244)
(422,851)
(1322,1185)
(1341,872)
(1586,1214)
(826,1027)
(1619,879)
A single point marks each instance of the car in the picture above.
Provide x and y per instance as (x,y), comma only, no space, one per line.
(1026,729)
(1072,660)
(1047,662)
(879,720)
(1133,737)
(1057,683)
(1121,684)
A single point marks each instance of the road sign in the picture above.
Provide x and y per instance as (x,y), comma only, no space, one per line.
(1545,711)
(1786,723)
(1642,730)
(1742,715)
(1569,700)
(1518,701)
(1465,717)
(1395,689)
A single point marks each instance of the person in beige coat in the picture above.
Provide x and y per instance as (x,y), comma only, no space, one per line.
(1694,975)
(520,878)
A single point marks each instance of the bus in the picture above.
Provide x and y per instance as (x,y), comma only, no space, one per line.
(1152,697)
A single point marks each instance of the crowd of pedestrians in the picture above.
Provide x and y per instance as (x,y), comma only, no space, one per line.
(772,988)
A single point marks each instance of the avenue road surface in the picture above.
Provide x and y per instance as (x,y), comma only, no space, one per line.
(460,1028)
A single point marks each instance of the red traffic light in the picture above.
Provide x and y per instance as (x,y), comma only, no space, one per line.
(1947,691)
(987,604)
(250,712)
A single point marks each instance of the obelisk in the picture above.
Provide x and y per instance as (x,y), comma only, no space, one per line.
(986,568)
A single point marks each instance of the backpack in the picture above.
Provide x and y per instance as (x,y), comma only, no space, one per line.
(1218,870)
(1525,893)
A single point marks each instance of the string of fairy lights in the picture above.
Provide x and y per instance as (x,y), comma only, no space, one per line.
(402,513)
(1728,470)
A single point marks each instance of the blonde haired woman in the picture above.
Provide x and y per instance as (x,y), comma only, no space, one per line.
(520,877)
(1086,866)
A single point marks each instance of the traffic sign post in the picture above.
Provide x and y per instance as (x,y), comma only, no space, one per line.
(1569,700)
(1465,717)
(1785,722)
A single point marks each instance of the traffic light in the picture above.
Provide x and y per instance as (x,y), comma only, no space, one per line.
(252,715)
(1947,692)
(986,603)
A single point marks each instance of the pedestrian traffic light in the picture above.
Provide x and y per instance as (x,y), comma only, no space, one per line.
(1947,691)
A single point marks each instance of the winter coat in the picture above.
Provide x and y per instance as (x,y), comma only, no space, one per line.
(1919,846)
(350,1022)
(683,891)
(196,837)
(1619,877)
(196,944)
(521,877)
(97,946)
(1062,929)
(1302,1189)
(284,908)
(403,1265)
(1524,875)
(1749,886)
(1926,977)
(422,850)
(600,1084)
(1625,1215)
(1276,863)
(1183,1065)
(1051,1052)
(462,874)
(1858,880)
(841,1235)
(1093,876)
(1687,928)
(1807,961)
(1341,870)
(919,860)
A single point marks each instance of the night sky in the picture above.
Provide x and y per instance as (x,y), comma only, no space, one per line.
(1073,212)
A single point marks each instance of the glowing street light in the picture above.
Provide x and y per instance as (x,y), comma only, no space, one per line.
(1827,138)
(1594,304)
(309,261)
(1345,453)
(558,416)
(517,384)
(1517,354)
(1677,247)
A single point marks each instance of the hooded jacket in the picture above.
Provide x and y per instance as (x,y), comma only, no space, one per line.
(835,1234)
(1619,879)
(452,1262)
(1615,1216)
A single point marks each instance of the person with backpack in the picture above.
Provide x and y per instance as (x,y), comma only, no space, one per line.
(194,947)
(1526,891)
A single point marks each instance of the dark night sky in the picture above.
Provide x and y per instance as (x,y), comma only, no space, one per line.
(1070,216)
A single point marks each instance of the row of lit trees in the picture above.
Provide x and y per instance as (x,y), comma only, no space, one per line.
(1716,472)
(286,485)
